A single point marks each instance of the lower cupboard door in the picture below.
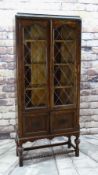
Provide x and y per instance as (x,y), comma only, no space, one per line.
(62,122)
(36,124)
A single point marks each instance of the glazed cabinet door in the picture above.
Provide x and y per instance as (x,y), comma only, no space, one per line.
(65,80)
(36,65)
(34,75)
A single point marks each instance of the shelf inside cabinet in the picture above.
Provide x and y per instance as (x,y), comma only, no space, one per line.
(33,40)
(65,87)
(36,86)
(30,65)
(63,64)
(66,40)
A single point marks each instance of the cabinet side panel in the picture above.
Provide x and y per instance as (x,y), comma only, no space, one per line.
(19,79)
(78,59)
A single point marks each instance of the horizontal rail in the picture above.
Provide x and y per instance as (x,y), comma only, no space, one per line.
(44,146)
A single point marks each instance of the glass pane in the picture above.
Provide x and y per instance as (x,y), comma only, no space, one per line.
(64,65)
(64,51)
(35,68)
(63,96)
(61,75)
(36,31)
(39,51)
(38,74)
(36,97)
(64,32)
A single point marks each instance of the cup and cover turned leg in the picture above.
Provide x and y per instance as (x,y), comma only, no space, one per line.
(77,141)
(20,154)
(69,142)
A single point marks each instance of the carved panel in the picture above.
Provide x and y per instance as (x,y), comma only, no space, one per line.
(62,121)
(36,124)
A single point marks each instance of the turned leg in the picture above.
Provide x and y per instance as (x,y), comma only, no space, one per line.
(69,142)
(77,141)
(20,153)
(16,146)
(16,151)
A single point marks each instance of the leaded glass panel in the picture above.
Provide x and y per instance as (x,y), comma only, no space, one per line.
(64,65)
(35,68)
